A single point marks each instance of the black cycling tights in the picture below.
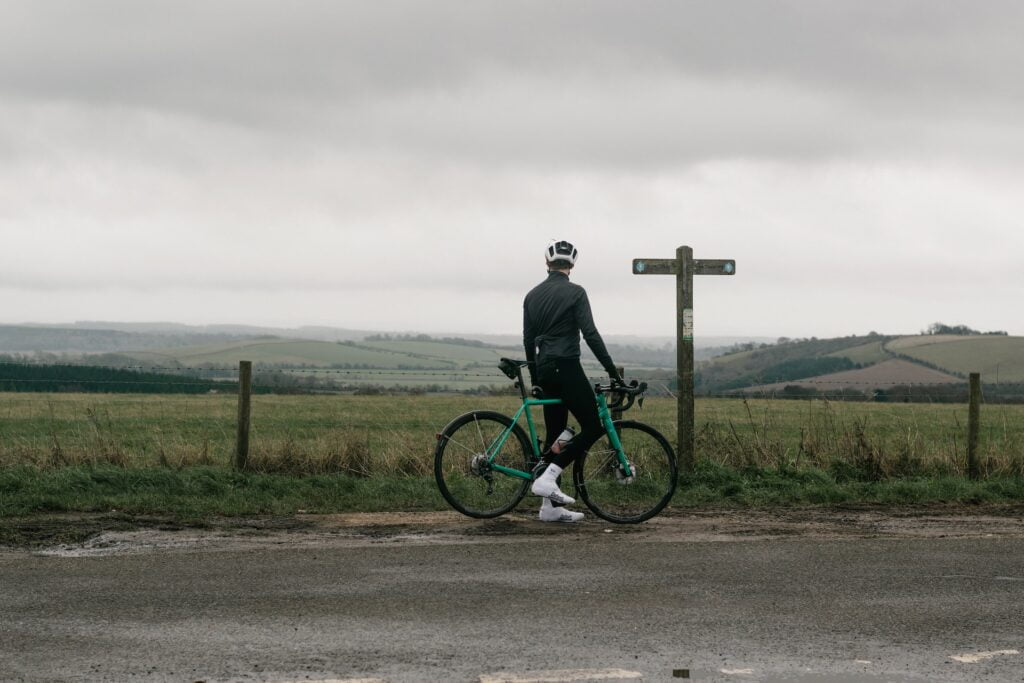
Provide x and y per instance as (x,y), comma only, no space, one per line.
(564,378)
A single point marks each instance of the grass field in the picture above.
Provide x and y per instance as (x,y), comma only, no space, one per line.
(463,355)
(370,435)
(884,375)
(378,363)
(292,352)
(170,454)
(865,354)
(997,358)
(376,354)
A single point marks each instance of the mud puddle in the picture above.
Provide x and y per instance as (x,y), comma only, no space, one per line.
(99,535)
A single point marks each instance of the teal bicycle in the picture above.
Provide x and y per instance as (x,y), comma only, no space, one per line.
(484,460)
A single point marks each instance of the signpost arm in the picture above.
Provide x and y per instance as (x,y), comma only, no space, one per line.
(684,356)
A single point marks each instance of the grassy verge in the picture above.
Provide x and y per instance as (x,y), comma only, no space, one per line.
(199,493)
(195,494)
(717,486)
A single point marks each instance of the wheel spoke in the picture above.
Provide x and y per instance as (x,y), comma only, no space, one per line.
(610,455)
(483,442)
(459,444)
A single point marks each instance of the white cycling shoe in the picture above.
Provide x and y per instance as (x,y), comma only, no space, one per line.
(546,486)
(550,513)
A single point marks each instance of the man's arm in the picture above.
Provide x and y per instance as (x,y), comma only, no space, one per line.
(530,344)
(585,321)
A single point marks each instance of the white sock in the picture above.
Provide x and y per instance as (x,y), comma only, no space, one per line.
(552,472)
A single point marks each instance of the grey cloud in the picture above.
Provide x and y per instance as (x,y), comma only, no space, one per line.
(329,49)
(540,82)
(399,164)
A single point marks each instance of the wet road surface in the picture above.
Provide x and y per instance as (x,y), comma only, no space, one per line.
(807,596)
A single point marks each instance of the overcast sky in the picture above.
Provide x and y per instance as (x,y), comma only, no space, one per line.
(402,165)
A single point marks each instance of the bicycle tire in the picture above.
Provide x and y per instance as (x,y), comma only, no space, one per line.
(612,496)
(470,492)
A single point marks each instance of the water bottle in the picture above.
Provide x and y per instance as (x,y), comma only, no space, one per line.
(562,439)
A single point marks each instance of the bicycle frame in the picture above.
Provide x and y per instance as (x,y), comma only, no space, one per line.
(602,412)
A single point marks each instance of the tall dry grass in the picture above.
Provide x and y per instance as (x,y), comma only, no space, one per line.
(380,435)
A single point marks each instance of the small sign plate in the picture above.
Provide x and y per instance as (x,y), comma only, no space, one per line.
(706,266)
(655,266)
(687,324)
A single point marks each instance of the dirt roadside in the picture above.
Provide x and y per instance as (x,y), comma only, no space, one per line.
(112,533)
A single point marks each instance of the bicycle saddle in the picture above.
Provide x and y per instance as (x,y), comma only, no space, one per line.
(511,367)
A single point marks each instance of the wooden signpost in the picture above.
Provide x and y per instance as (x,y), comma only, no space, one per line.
(684,267)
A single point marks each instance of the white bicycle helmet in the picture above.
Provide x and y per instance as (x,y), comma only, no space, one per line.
(561,250)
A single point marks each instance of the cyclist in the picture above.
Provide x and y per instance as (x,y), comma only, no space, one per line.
(555,312)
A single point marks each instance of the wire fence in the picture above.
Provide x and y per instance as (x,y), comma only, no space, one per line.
(837,428)
(162,378)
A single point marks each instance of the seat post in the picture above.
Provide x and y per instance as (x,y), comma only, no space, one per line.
(521,383)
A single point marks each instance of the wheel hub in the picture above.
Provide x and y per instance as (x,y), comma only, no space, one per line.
(620,474)
(478,465)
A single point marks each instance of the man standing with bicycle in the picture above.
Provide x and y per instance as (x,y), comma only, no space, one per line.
(555,313)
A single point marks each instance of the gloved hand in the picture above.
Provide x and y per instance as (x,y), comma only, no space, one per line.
(616,378)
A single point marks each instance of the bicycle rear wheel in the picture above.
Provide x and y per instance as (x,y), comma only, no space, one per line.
(461,468)
(606,490)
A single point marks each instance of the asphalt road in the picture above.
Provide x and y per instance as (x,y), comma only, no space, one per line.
(740,597)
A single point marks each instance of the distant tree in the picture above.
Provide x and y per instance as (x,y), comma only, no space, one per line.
(960,330)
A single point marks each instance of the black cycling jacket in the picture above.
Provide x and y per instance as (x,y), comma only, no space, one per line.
(555,312)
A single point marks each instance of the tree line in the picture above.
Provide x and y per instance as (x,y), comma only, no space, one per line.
(961,330)
(20,377)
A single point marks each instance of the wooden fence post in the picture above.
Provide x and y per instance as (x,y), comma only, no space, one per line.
(974,426)
(244,411)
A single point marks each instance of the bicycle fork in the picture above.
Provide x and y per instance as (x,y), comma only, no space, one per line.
(613,435)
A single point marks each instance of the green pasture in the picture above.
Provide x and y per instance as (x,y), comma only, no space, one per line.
(295,352)
(865,354)
(462,355)
(373,435)
(170,455)
(997,358)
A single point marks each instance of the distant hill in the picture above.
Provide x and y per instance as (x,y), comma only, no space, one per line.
(865,363)
(763,365)
(33,339)
(885,375)
(166,342)
(180,330)
(997,358)
(288,352)
(55,337)
(856,361)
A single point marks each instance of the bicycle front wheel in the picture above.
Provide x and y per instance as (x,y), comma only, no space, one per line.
(463,466)
(604,486)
